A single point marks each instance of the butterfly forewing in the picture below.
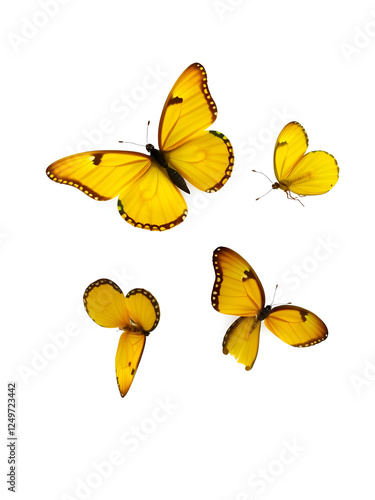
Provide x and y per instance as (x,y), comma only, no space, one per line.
(143,309)
(106,304)
(188,110)
(237,289)
(102,175)
(296,326)
(290,146)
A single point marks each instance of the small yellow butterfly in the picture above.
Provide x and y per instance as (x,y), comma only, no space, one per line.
(136,315)
(149,186)
(299,173)
(238,291)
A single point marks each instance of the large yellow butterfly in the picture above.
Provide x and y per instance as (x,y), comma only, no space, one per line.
(136,315)
(238,291)
(299,173)
(149,186)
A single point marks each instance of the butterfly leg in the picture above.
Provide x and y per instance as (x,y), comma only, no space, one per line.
(290,197)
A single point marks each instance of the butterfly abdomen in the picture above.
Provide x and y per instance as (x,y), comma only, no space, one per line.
(174,176)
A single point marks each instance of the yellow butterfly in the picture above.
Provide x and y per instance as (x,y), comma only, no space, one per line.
(299,173)
(238,291)
(136,315)
(149,186)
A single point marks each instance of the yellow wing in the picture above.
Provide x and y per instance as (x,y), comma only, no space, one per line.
(303,174)
(206,161)
(290,147)
(152,202)
(106,304)
(242,340)
(296,326)
(143,309)
(204,158)
(188,110)
(128,355)
(316,173)
(237,289)
(102,175)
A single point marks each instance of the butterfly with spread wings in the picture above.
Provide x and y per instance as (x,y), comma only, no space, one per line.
(300,173)
(135,314)
(149,186)
(238,291)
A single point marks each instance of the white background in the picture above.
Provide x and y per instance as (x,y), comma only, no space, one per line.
(301,423)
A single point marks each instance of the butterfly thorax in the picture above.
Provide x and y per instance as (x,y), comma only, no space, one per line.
(264,313)
(133,328)
(281,185)
(174,176)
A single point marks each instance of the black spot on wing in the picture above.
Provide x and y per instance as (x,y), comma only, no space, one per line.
(176,100)
(97,159)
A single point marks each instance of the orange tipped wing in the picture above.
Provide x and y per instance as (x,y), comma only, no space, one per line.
(296,326)
(237,289)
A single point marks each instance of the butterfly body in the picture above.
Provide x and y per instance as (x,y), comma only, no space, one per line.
(174,176)
(149,186)
(238,291)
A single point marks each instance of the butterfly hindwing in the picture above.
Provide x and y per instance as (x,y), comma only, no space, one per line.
(106,304)
(153,202)
(296,326)
(206,161)
(316,173)
(237,289)
(102,175)
(242,340)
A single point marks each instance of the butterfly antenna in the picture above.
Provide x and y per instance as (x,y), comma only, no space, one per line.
(257,172)
(135,143)
(274,295)
(148,124)
(263,194)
